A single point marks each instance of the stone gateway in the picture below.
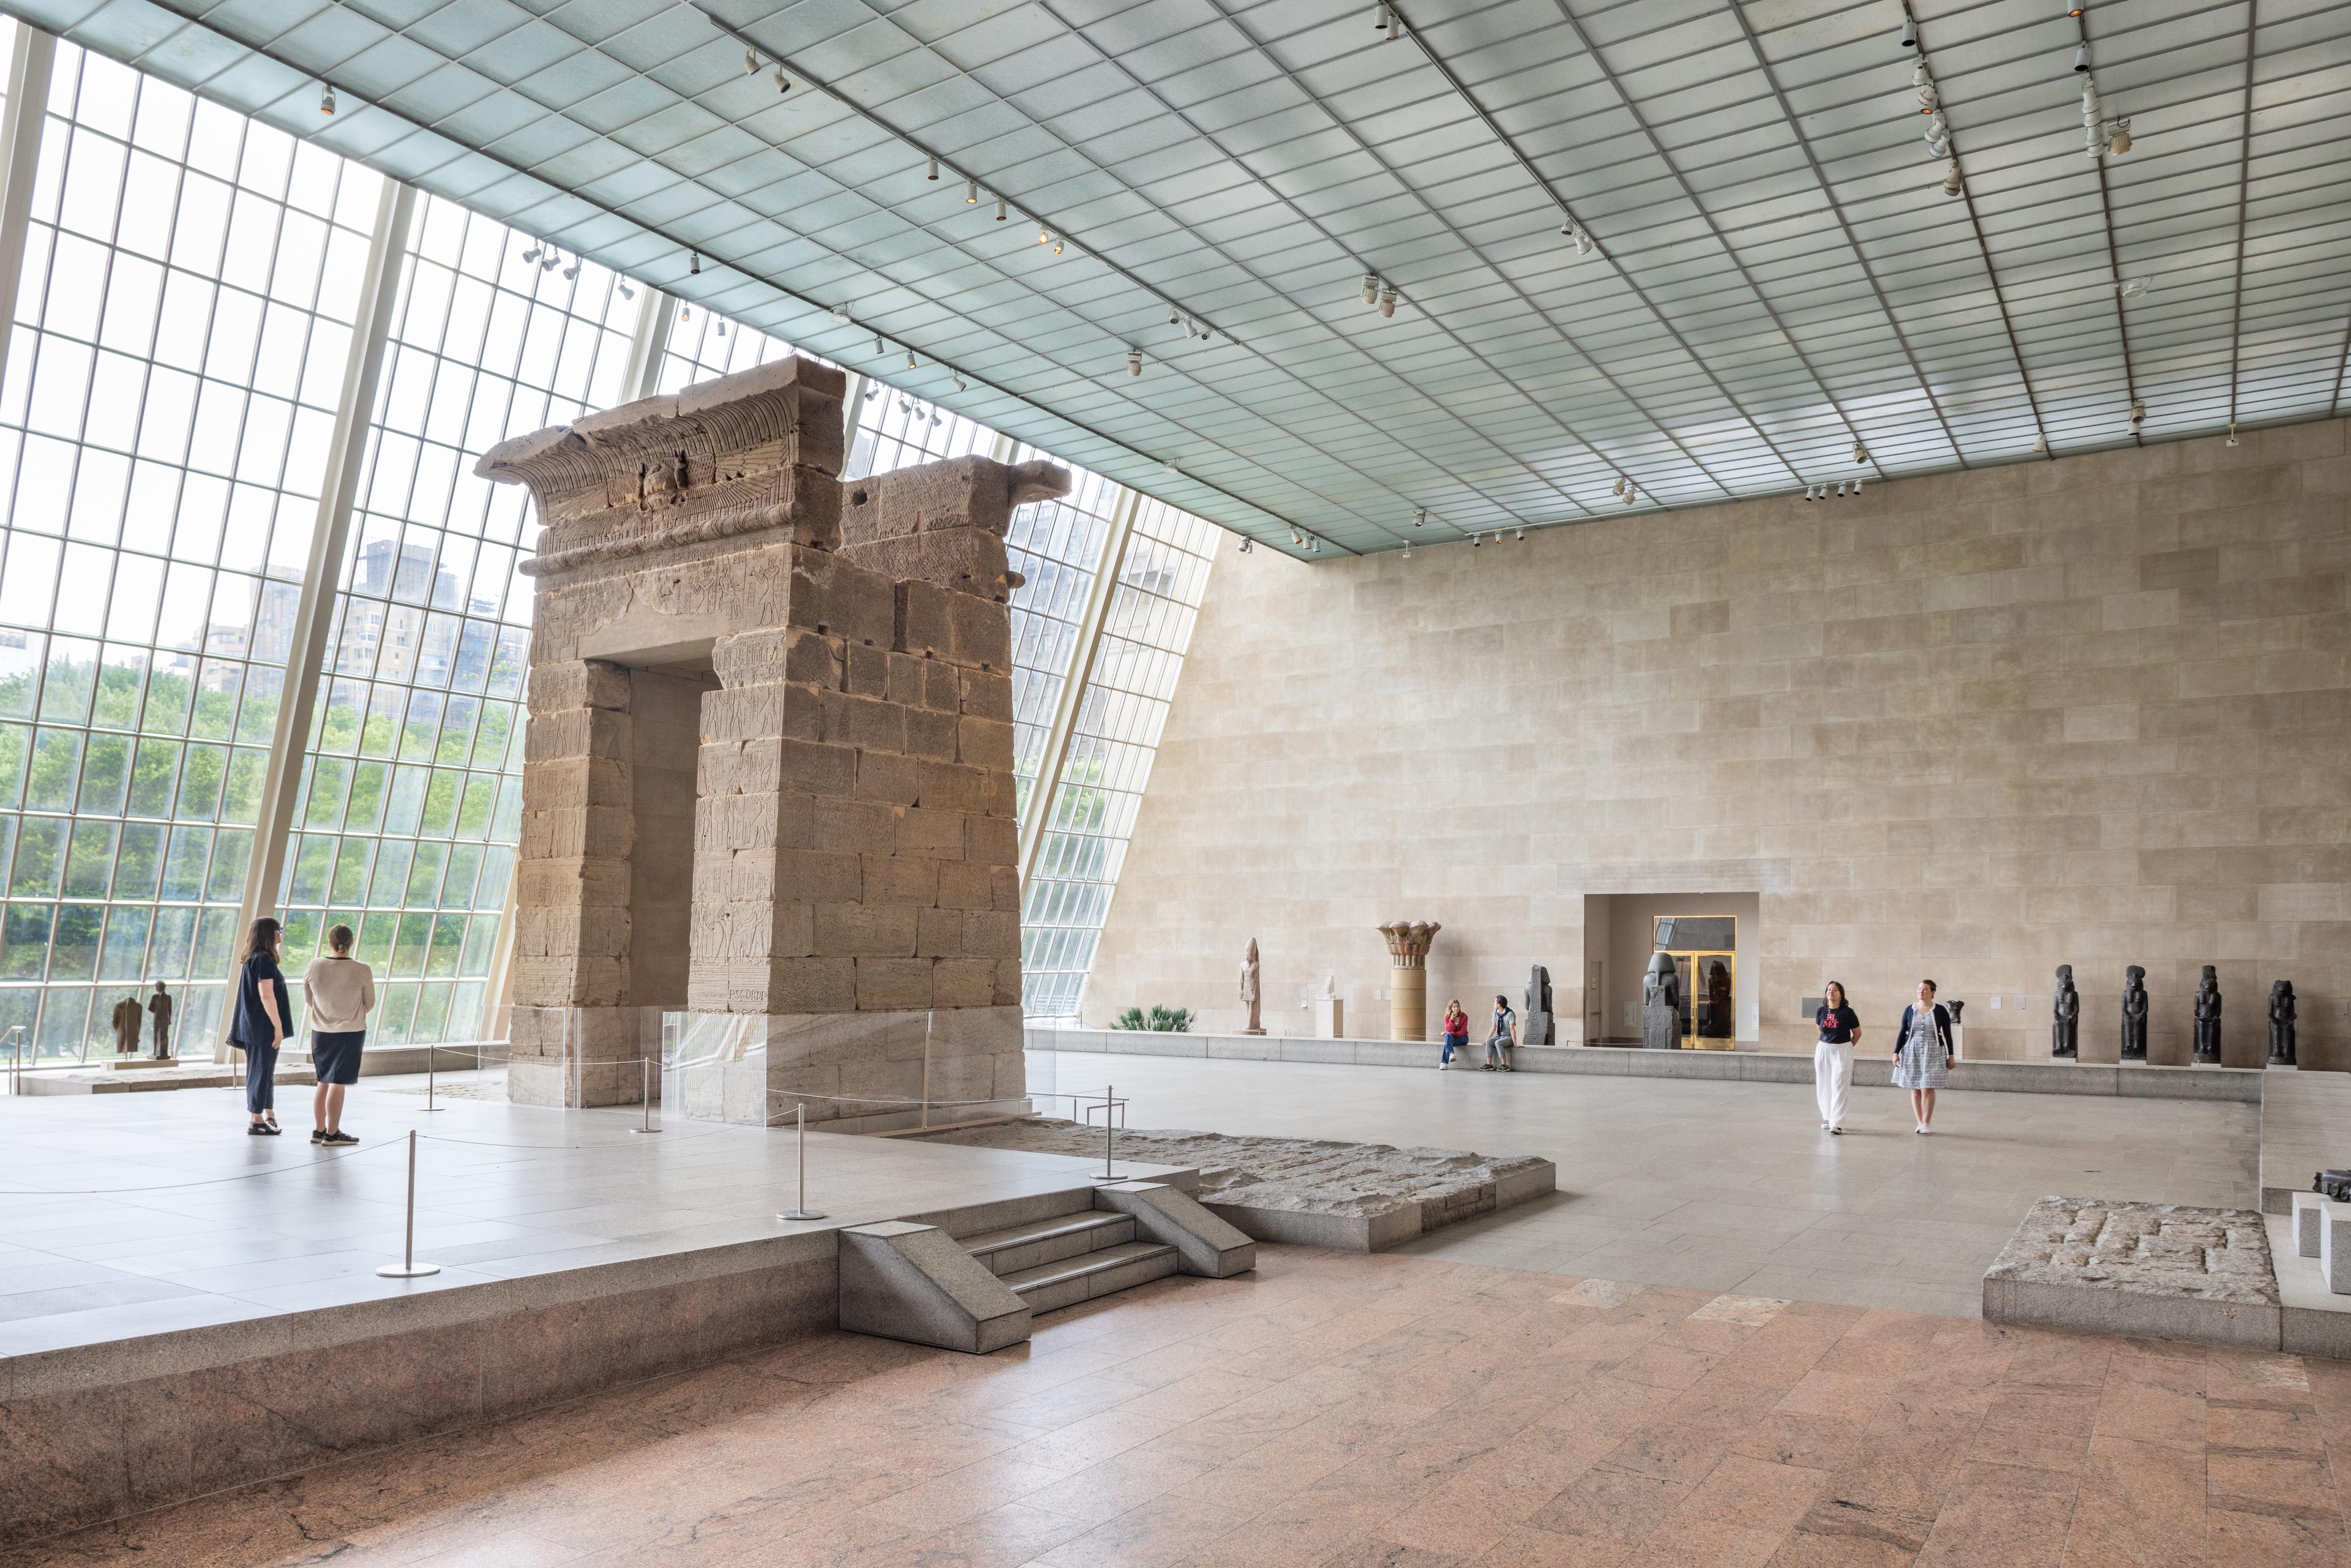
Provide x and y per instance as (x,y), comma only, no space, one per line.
(767,829)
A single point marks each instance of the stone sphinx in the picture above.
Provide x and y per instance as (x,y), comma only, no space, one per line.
(767,826)
(2281,1015)
(2065,1028)
(2208,1018)
(1661,1005)
(2134,1046)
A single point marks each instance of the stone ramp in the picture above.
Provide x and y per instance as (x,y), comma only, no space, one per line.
(2161,1270)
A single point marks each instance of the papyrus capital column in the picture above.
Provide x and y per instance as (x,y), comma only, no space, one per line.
(1408,945)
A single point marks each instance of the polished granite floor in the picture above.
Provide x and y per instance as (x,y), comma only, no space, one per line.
(1728,1186)
(138,1214)
(1360,1413)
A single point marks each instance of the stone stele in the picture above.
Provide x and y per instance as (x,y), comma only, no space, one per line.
(767,829)
(2163,1268)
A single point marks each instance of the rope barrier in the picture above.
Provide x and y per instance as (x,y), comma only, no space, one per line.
(208,1181)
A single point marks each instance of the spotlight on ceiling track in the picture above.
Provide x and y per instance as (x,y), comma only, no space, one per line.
(840,311)
(999,209)
(1419,515)
(2118,138)
(2138,415)
(626,292)
(1388,298)
(1520,534)
(1475,542)
(1583,243)
(573,270)
(1952,183)
(1313,547)
(1618,487)
(1860,453)
(1909,33)
(1856,486)
(1246,546)
(1407,549)
(930,166)
(686,312)
(1135,361)
(1297,538)
(971,193)
(532,253)
(1044,235)
(2041,446)
(1371,290)
(783,83)
(2233,434)
(326,99)
(2082,57)
(878,350)
(548,262)
(750,64)
(957,379)
(693,264)
(2132,287)
(909,359)
(719,327)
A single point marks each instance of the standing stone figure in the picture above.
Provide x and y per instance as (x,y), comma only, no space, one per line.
(2065,1025)
(1661,1005)
(1535,1027)
(2281,1024)
(1955,1007)
(2133,1014)
(2208,1018)
(160,1006)
(126,1026)
(1249,993)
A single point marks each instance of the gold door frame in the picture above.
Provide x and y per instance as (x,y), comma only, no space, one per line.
(1696,957)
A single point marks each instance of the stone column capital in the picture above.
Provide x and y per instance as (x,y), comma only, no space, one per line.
(1408,942)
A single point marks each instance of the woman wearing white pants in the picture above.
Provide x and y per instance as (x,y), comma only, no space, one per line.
(1833,1057)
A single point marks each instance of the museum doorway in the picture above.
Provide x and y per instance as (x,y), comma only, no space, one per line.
(665,748)
(1703,948)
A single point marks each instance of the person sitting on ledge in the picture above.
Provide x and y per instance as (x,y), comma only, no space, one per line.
(1456,1034)
(1498,1043)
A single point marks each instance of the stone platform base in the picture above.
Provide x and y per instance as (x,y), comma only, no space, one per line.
(2162,1270)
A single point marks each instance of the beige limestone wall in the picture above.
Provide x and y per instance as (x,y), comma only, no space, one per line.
(665,733)
(2090,711)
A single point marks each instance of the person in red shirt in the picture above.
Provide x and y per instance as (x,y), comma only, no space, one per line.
(1456,1034)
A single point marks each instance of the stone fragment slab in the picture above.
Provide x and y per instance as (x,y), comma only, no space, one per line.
(2168,1269)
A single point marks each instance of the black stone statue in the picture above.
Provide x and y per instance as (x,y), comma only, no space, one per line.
(2133,1014)
(2065,1025)
(2208,1018)
(1661,1005)
(2281,1024)
(1537,1019)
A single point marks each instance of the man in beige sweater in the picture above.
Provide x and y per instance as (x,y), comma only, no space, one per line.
(339,992)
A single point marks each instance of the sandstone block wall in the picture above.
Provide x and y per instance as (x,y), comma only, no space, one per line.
(2092,711)
(821,828)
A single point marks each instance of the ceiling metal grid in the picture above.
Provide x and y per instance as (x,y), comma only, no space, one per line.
(1780,292)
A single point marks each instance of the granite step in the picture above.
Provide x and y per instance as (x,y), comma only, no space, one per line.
(1049,1287)
(1050,1241)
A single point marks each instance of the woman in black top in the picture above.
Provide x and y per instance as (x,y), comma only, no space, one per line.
(1833,1057)
(259,1026)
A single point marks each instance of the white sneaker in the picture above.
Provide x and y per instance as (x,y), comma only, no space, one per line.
(1920,1131)
(1445,1067)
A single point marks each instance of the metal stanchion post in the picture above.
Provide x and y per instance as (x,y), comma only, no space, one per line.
(408,1268)
(645,1093)
(432,1056)
(800,1145)
(1110,1172)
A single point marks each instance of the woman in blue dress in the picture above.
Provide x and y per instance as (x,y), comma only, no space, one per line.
(1922,1053)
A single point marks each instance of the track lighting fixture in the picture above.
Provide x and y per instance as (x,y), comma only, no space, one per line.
(1246,546)
(1856,486)
(2041,446)
(719,327)
(1909,33)
(2137,414)
(2132,287)
(548,262)
(326,99)
(532,253)
(1313,547)
(909,359)
(626,292)
(1419,515)
(905,404)
(1135,361)
(1044,236)
(783,83)
(957,379)
(1380,17)
(1840,488)
(1520,534)
(693,264)
(750,64)
(1407,549)
(1296,538)
(1632,492)
(878,350)
(1057,247)
(1475,542)
(1618,487)
(999,209)
(1395,24)
(1952,183)
(2232,434)
(1808,492)
(1371,290)
(573,270)
(2119,140)
(1925,82)
(840,311)
(930,166)
(2072,10)
(871,393)
(1583,243)
(685,313)
(1860,453)
(970,192)
(2082,57)
(1388,298)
